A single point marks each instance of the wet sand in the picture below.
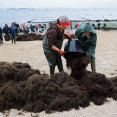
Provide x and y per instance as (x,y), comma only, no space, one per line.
(32,52)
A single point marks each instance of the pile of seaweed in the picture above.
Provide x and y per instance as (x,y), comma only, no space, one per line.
(33,37)
(22,87)
(29,37)
(77,62)
(95,84)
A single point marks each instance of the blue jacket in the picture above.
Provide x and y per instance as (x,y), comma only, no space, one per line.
(1,31)
(32,27)
(6,30)
(13,31)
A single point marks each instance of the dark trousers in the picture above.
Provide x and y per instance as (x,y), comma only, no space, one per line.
(93,65)
(54,59)
(1,40)
(13,39)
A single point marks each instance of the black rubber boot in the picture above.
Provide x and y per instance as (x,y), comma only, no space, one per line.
(14,40)
(52,69)
(60,68)
(93,66)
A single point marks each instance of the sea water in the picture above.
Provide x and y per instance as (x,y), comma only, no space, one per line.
(23,15)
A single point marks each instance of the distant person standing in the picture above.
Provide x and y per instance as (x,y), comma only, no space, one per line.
(76,26)
(6,30)
(24,27)
(13,32)
(32,28)
(36,27)
(27,29)
(17,25)
(1,39)
(99,27)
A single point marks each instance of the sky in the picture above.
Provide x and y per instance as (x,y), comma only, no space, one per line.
(58,3)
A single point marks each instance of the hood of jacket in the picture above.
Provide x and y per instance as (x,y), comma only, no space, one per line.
(84,28)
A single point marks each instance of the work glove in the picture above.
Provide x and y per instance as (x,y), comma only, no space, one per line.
(61,52)
(69,37)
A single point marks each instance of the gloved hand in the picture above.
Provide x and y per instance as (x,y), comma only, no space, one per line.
(61,52)
(69,37)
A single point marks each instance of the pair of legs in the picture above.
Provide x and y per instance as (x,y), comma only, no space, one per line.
(1,40)
(13,39)
(36,29)
(53,60)
(93,65)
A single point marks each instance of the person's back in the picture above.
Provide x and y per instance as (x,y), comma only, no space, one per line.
(36,26)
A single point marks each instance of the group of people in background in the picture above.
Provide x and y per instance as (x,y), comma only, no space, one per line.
(32,28)
(11,32)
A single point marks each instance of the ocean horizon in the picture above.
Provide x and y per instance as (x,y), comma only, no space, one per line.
(23,15)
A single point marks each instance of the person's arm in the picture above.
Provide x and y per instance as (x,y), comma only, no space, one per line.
(68,36)
(52,37)
(17,31)
(56,49)
(1,30)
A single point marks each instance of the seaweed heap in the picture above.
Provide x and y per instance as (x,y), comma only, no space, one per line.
(113,94)
(29,37)
(22,87)
(78,63)
(95,84)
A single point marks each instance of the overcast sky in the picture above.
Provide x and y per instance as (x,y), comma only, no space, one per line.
(58,3)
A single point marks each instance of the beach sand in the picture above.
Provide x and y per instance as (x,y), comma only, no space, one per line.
(32,52)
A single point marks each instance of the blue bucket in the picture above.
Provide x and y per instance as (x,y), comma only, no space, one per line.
(74,46)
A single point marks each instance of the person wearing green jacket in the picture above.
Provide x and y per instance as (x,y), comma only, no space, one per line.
(87,36)
(52,43)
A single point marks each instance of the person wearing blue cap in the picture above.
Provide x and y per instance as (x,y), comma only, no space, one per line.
(13,32)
